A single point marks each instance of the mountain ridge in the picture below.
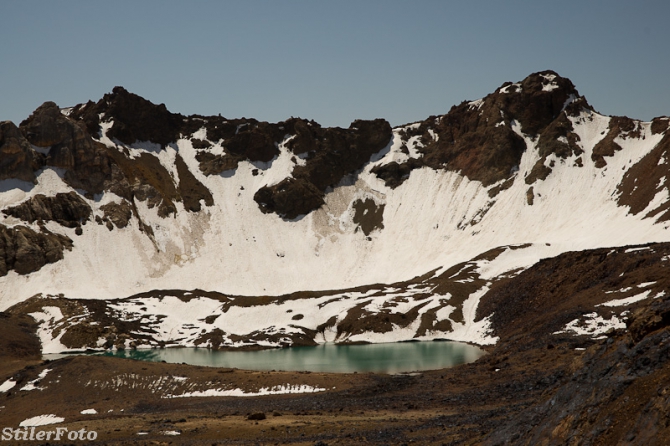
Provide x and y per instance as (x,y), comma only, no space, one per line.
(92,210)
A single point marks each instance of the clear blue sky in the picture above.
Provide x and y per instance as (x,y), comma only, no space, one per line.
(331,61)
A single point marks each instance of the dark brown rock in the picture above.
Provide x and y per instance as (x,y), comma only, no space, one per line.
(211,164)
(553,139)
(68,209)
(395,174)
(476,139)
(255,144)
(70,147)
(335,153)
(17,159)
(289,198)
(190,189)
(538,172)
(659,124)
(25,251)
(144,178)
(619,126)
(117,213)
(200,144)
(135,118)
(645,179)
(530,196)
(368,215)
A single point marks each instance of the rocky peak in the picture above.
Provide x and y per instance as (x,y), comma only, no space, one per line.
(536,101)
(70,147)
(478,138)
(135,118)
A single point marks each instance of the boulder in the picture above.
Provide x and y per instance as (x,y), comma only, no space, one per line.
(68,209)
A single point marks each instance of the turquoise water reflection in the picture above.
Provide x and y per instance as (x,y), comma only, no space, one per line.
(383,358)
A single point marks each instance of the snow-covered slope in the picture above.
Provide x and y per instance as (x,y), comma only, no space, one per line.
(368,230)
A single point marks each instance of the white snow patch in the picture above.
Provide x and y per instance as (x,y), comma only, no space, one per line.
(646,284)
(276,390)
(171,433)
(627,300)
(514,258)
(48,320)
(88,412)
(506,88)
(7,385)
(41,420)
(32,385)
(593,325)
(629,250)
(476,104)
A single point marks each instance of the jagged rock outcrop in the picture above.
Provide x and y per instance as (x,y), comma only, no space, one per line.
(115,214)
(328,153)
(332,154)
(144,178)
(67,209)
(17,159)
(25,250)
(85,161)
(135,118)
(477,139)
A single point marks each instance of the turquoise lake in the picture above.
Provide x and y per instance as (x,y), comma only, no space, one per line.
(381,358)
